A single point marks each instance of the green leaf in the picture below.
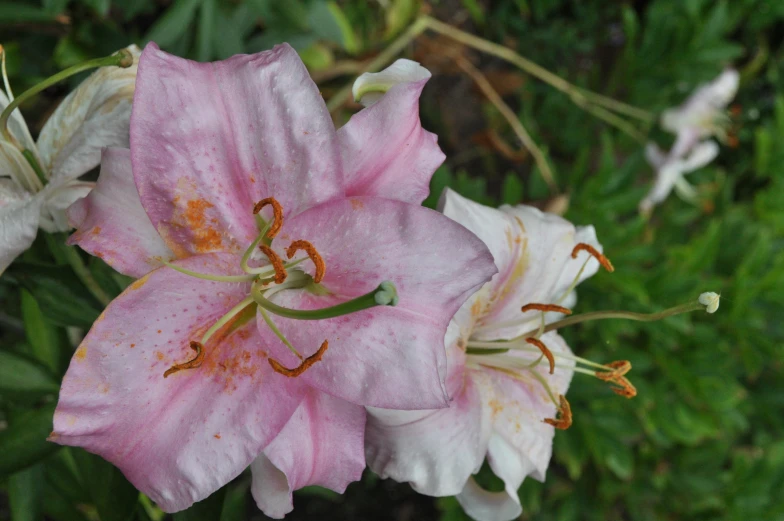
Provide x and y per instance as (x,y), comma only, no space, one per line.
(113,496)
(399,14)
(206,30)
(328,21)
(62,299)
(26,494)
(23,376)
(512,189)
(174,22)
(14,13)
(24,441)
(99,6)
(43,337)
(236,501)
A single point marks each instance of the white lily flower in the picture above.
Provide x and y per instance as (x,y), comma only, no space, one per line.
(371,86)
(94,116)
(702,116)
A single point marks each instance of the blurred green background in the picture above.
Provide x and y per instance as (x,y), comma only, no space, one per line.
(704,438)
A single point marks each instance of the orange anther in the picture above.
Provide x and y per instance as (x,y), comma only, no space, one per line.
(625,387)
(277,263)
(546,352)
(190,364)
(564,418)
(277,215)
(546,307)
(315,257)
(619,368)
(604,261)
(301,368)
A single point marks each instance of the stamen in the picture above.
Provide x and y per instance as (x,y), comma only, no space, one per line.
(545,351)
(321,267)
(277,263)
(277,212)
(604,261)
(563,419)
(190,364)
(302,367)
(546,307)
(620,368)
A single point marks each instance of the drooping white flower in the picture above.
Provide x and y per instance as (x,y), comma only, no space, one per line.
(93,116)
(702,116)
(710,300)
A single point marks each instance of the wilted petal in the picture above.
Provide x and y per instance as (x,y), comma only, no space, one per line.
(322,444)
(371,86)
(435,451)
(95,115)
(209,140)
(16,123)
(484,505)
(111,223)
(13,165)
(18,223)
(385,150)
(394,355)
(699,112)
(180,438)
(58,197)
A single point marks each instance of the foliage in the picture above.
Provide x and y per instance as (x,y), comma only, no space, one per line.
(703,439)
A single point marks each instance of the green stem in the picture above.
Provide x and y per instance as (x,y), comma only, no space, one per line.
(384,295)
(80,268)
(628,315)
(122,58)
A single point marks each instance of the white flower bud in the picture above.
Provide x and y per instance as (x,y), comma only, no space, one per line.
(710,300)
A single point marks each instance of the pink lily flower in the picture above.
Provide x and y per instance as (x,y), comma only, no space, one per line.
(507,374)
(282,306)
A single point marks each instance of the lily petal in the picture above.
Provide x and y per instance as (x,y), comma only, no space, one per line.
(322,444)
(371,86)
(395,355)
(532,251)
(483,505)
(435,451)
(385,150)
(95,115)
(209,140)
(177,439)
(111,223)
(16,123)
(58,197)
(18,224)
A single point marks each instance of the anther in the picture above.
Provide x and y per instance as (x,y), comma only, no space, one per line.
(564,419)
(604,261)
(277,263)
(619,368)
(277,215)
(546,307)
(302,367)
(314,255)
(190,364)
(545,351)
(625,387)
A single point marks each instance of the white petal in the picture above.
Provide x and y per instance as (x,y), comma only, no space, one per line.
(94,116)
(488,506)
(16,123)
(18,226)
(14,165)
(58,196)
(700,110)
(435,451)
(700,156)
(654,155)
(370,86)
(710,300)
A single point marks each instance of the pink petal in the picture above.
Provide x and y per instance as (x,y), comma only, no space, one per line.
(180,438)
(385,150)
(436,451)
(322,444)
(484,505)
(209,140)
(394,355)
(532,251)
(111,223)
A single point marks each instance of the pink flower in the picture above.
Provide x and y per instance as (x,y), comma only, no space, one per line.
(283,306)
(506,395)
